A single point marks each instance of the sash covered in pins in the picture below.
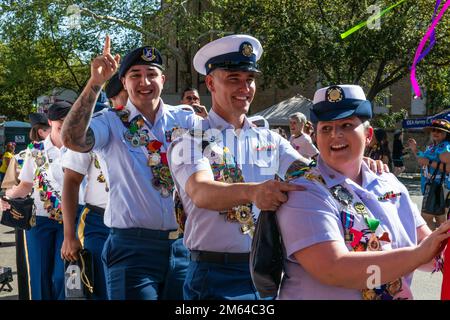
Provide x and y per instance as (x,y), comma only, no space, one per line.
(225,169)
(138,135)
(50,197)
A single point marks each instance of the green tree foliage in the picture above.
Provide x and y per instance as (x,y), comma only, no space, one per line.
(38,50)
(301,37)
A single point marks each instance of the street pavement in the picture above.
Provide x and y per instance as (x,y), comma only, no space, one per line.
(425,286)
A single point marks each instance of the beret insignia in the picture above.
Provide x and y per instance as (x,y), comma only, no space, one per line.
(334,94)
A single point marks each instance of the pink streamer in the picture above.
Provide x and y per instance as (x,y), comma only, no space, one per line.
(422,43)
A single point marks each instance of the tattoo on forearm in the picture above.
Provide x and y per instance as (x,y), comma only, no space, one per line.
(76,133)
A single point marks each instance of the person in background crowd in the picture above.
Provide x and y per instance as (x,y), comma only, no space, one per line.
(398,153)
(191,97)
(39,131)
(309,130)
(7,156)
(354,223)
(429,161)
(91,232)
(115,92)
(42,174)
(378,148)
(299,139)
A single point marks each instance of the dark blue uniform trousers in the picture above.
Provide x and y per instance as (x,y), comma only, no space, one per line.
(219,281)
(43,251)
(93,233)
(143,264)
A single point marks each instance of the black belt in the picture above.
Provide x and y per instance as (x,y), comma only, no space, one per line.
(147,233)
(219,257)
(95,209)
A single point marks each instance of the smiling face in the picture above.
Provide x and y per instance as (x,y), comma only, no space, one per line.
(55,131)
(295,127)
(144,85)
(438,135)
(191,97)
(231,91)
(342,142)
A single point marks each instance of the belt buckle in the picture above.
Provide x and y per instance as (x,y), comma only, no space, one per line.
(173,235)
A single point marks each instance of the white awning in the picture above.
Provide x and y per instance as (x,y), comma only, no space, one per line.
(278,114)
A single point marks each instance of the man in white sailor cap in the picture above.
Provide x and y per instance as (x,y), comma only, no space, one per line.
(225,172)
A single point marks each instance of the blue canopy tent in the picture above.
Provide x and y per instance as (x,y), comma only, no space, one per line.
(420,123)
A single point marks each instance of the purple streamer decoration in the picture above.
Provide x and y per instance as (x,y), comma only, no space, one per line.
(422,43)
(433,34)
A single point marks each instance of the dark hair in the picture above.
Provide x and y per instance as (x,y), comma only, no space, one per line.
(34,132)
(188,89)
(380,135)
(397,134)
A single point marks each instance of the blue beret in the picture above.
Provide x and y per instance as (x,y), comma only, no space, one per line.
(37,118)
(58,110)
(340,102)
(141,56)
(236,52)
(114,86)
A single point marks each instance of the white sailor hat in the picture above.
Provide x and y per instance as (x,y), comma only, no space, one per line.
(235,52)
(340,102)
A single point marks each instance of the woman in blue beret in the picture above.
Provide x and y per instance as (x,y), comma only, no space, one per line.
(359,235)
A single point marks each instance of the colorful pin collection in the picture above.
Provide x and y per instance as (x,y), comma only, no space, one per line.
(225,169)
(138,136)
(101,177)
(365,239)
(37,152)
(51,199)
(389,195)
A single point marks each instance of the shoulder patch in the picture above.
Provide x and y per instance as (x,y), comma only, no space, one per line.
(298,169)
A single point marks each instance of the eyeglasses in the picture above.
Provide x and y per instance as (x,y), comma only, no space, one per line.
(192,98)
(436,130)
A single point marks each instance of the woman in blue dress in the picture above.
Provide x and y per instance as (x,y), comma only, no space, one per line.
(429,160)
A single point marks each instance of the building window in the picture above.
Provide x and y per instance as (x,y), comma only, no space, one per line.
(418,106)
(382,101)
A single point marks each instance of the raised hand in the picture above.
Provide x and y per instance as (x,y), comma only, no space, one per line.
(200,110)
(105,65)
(412,145)
(434,243)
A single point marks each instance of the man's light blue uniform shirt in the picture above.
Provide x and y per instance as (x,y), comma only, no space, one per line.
(134,202)
(259,152)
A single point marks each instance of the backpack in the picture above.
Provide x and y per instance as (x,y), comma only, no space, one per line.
(266,255)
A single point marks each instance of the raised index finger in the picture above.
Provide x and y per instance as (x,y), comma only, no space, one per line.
(107,47)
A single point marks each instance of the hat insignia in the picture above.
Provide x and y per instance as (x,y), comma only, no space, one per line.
(334,94)
(247,49)
(148,54)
